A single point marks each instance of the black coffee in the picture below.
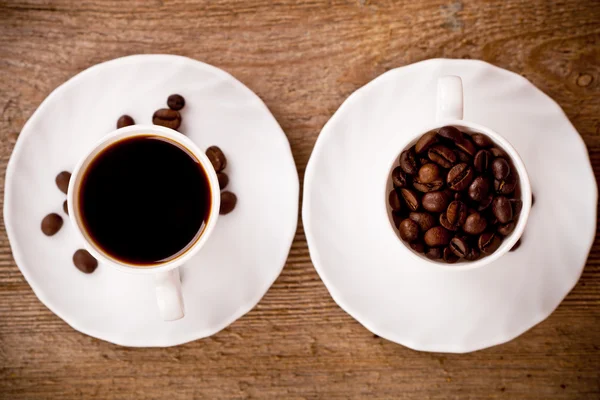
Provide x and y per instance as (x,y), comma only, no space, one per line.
(144,200)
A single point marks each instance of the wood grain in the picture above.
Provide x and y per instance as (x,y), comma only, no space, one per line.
(303,58)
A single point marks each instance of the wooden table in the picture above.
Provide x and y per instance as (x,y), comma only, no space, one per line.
(303,58)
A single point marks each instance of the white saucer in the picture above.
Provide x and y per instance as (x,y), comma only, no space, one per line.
(411,302)
(248,247)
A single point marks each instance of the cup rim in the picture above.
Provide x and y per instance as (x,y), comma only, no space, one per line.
(122,134)
(524,182)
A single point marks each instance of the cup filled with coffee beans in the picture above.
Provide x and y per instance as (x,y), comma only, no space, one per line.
(145,200)
(458,194)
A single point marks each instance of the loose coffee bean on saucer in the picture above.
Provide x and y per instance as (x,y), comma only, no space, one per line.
(167,118)
(62,181)
(51,224)
(223,179)
(84,261)
(124,120)
(176,102)
(468,190)
(217,158)
(66,207)
(228,202)
(516,245)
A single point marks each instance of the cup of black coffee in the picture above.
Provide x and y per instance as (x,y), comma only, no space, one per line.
(458,194)
(145,200)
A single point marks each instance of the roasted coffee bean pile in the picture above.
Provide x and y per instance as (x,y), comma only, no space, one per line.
(52,223)
(456,196)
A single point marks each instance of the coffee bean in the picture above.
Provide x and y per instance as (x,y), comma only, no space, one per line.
(228,202)
(449,256)
(399,178)
(62,181)
(485,203)
(451,133)
(473,254)
(481,140)
(167,118)
(429,172)
(506,186)
(500,168)
(456,213)
(516,245)
(427,187)
(437,236)
(425,142)
(497,152)
(482,161)
(408,161)
(489,242)
(409,230)
(84,261)
(435,201)
(423,159)
(223,180)
(419,247)
(425,220)
(397,217)
(66,207)
(442,155)
(460,177)
(467,146)
(394,201)
(434,253)
(479,188)
(462,156)
(217,158)
(502,209)
(124,120)
(506,229)
(459,246)
(475,224)
(175,102)
(446,224)
(51,224)
(411,198)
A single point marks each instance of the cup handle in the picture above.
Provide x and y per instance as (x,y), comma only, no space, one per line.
(168,295)
(449,98)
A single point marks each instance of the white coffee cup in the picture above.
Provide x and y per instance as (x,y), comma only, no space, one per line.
(168,283)
(450,112)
